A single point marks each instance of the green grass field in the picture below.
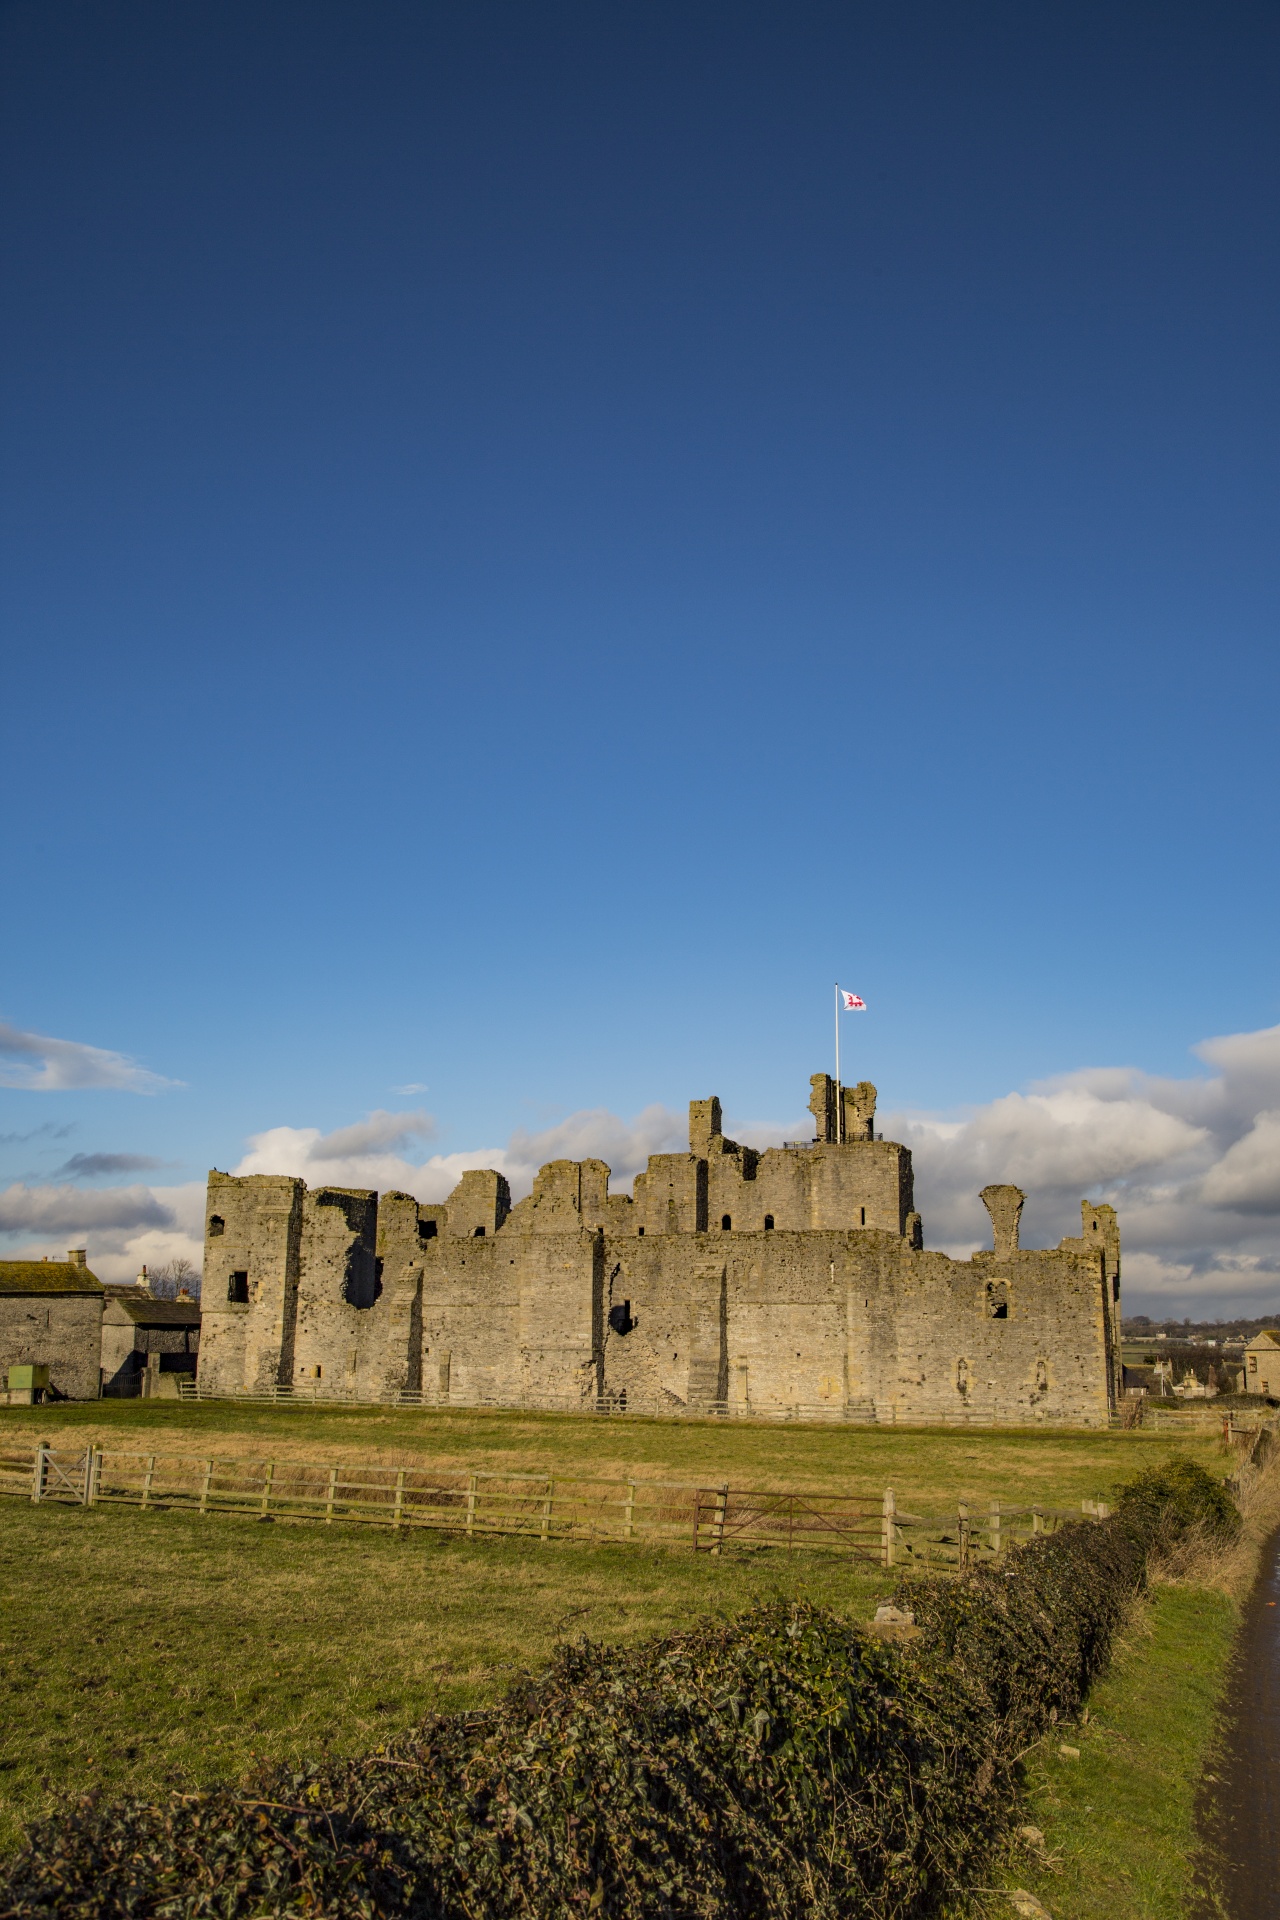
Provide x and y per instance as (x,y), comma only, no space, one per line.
(1119,1822)
(144,1650)
(928,1468)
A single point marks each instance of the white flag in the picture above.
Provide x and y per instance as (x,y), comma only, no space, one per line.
(851,1002)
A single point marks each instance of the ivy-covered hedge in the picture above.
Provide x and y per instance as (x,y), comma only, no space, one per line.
(786,1763)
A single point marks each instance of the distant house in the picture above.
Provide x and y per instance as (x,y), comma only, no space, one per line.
(50,1328)
(148,1345)
(1262,1364)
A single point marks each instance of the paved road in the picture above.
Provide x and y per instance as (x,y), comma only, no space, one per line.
(1240,1817)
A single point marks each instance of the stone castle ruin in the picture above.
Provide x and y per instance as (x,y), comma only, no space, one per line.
(791,1282)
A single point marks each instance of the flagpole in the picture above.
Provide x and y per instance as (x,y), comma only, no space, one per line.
(839,1099)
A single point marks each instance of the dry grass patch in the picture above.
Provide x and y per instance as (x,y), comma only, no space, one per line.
(930,1469)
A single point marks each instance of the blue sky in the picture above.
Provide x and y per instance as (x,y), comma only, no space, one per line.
(535,538)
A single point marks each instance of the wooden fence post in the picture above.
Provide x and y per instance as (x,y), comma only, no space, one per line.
(786,1520)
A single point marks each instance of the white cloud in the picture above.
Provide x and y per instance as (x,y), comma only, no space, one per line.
(381,1132)
(121,1226)
(596,1134)
(1192,1165)
(68,1209)
(353,1157)
(1247,1178)
(40,1064)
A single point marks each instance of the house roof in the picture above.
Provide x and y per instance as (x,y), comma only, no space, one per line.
(131,1303)
(47,1276)
(1267,1338)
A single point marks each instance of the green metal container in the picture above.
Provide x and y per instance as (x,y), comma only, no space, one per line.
(27,1377)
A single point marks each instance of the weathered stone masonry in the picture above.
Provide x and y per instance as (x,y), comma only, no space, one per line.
(791,1281)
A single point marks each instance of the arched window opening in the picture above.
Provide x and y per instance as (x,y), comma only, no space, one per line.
(217,1225)
(962,1376)
(997,1299)
(725,1223)
(427,1229)
(620,1319)
(1042,1376)
(238,1289)
(768,1223)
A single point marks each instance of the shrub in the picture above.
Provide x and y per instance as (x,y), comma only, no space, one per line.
(782,1764)
(1168,1504)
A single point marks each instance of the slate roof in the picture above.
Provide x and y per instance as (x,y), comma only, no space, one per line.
(145,1311)
(47,1276)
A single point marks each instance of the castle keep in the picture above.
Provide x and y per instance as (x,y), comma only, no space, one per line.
(791,1282)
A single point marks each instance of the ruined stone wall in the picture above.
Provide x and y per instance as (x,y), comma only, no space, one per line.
(61,1331)
(248,1297)
(857,1325)
(791,1279)
(339,1331)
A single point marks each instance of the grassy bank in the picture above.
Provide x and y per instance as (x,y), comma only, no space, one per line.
(1120,1839)
(1118,1823)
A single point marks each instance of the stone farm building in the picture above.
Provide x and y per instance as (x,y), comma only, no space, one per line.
(1262,1364)
(51,1317)
(792,1282)
(148,1345)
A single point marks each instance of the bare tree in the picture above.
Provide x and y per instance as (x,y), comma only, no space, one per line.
(169,1279)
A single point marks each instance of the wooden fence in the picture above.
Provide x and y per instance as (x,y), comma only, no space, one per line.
(863,1413)
(715,1520)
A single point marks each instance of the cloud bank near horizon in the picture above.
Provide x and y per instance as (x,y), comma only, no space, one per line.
(1192,1165)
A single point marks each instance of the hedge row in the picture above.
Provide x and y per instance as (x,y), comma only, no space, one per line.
(782,1764)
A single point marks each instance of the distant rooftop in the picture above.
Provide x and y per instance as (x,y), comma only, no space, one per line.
(144,1310)
(47,1276)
